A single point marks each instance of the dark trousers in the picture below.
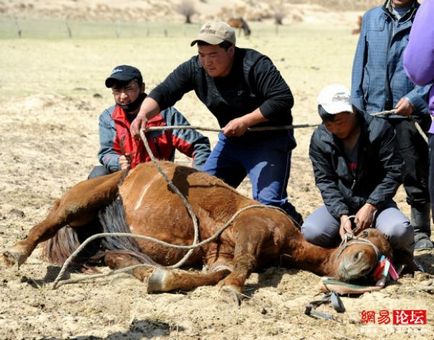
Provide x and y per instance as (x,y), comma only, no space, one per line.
(414,151)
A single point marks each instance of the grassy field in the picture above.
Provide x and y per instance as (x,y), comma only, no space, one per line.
(308,56)
(47,60)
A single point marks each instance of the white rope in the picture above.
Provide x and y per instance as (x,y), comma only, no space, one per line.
(190,248)
(148,238)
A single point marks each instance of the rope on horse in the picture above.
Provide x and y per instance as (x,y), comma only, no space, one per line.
(148,238)
(190,248)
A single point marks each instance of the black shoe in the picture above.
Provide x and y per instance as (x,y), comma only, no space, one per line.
(410,268)
(422,241)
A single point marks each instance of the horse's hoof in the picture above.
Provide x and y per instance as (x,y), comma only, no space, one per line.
(13,256)
(231,294)
(158,281)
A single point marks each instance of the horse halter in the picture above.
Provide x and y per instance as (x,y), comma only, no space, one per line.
(351,239)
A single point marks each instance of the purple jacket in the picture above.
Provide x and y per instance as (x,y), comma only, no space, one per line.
(419,54)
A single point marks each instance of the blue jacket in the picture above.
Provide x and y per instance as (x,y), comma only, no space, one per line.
(378,78)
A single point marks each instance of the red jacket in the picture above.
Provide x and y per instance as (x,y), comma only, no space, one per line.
(116,140)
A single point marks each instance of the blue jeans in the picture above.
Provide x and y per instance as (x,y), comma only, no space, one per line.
(98,170)
(267,163)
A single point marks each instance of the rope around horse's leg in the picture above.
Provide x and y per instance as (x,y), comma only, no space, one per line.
(148,238)
(191,248)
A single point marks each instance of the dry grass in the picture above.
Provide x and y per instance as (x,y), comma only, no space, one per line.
(49,141)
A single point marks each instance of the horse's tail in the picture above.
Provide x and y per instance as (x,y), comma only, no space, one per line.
(59,248)
(110,219)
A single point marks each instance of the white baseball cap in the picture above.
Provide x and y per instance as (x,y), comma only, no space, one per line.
(335,98)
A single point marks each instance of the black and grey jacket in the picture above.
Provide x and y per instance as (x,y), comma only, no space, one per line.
(378,172)
(254,82)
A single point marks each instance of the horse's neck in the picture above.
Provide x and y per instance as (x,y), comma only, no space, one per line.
(307,256)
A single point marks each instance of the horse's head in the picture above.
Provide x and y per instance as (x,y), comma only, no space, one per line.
(357,256)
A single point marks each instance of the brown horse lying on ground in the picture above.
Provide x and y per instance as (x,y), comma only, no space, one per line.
(257,237)
(241,24)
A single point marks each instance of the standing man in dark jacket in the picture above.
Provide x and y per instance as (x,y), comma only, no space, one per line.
(119,150)
(380,83)
(242,88)
(357,169)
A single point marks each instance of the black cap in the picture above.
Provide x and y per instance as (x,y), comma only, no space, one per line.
(123,73)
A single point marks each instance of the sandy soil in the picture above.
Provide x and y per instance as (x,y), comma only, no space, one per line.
(49,141)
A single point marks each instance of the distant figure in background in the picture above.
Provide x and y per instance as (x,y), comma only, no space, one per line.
(359,25)
(379,83)
(241,24)
(119,150)
(419,65)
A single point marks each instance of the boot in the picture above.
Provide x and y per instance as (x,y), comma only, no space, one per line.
(420,220)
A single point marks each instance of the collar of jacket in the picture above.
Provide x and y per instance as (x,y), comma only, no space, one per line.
(388,9)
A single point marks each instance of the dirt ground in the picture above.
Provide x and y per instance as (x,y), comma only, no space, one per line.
(52,93)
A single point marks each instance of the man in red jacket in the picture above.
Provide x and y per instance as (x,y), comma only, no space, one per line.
(119,150)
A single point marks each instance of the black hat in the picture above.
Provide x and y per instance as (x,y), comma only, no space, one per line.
(123,73)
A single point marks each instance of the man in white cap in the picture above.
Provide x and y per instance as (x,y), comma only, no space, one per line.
(242,88)
(357,169)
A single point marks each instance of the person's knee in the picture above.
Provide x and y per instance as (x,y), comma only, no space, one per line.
(401,236)
(98,171)
(314,235)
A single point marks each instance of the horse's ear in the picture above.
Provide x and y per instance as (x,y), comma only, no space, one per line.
(364,234)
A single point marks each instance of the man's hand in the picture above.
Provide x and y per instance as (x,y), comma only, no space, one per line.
(345,227)
(364,217)
(404,107)
(125,161)
(235,128)
(137,125)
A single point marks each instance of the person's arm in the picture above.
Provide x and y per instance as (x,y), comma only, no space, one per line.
(267,83)
(107,154)
(413,102)
(164,95)
(419,53)
(238,126)
(190,142)
(357,95)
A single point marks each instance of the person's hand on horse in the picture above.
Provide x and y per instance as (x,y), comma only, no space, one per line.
(404,107)
(364,217)
(125,161)
(346,226)
(235,128)
(137,125)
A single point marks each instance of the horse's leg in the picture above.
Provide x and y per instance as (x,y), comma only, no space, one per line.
(248,246)
(116,260)
(77,207)
(163,280)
